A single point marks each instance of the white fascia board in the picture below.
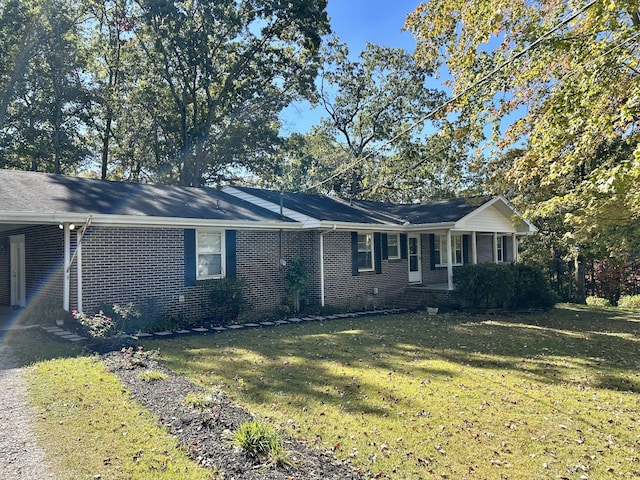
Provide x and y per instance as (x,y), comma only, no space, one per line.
(141,221)
(305,220)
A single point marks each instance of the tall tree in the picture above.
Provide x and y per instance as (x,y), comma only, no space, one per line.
(374,105)
(43,126)
(229,67)
(559,82)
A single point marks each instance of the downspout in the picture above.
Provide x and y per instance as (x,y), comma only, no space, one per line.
(79,270)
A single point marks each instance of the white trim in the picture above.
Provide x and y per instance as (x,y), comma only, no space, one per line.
(474,248)
(223,265)
(322,269)
(66,274)
(514,247)
(373,252)
(397,236)
(449,261)
(78,255)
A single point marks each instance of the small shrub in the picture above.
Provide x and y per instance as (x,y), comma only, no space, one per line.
(531,288)
(152,375)
(260,439)
(226,299)
(486,285)
(629,301)
(297,278)
(598,302)
(98,326)
(203,400)
(512,286)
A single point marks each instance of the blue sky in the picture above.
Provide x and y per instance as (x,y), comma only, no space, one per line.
(357,22)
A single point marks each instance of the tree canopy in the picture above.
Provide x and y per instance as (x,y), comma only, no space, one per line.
(549,94)
(182,91)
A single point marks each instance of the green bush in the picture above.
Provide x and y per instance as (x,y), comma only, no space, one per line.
(226,300)
(511,286)
(598,302)
(531,288)
(297,278)
(629,301)
(486,285)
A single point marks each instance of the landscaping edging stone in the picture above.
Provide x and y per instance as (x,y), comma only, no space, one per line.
(74,337)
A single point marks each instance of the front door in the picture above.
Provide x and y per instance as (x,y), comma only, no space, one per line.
(415,262)
(17,264)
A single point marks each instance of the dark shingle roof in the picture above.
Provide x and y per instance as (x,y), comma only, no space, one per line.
(320,207)
(437,211)
(332,209)
(31,192)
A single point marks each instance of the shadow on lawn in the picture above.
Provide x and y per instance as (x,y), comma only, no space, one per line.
(298,362)
(33,345)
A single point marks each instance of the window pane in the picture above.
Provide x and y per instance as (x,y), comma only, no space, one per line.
(392,246)
(365,252)
(209,264)
(209,242)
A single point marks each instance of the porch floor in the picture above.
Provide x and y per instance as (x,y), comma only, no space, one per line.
(431,286)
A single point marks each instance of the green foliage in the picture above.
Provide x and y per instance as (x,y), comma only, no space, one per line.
(152,375)
(597,302)
(511,286)
(45,311)
(297,279)
(629,301)
(563,117)
(486,285)
(260,439)
(226,299)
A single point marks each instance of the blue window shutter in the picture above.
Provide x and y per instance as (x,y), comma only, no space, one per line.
(377,251)
(465,248)
(230,253)
(385,246)
(354,253)
(432,251)
(404,254)
(189,257)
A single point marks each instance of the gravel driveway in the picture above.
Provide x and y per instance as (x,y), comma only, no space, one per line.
(21,458)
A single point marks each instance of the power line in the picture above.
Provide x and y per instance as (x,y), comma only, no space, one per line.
(610,50)
(455,98)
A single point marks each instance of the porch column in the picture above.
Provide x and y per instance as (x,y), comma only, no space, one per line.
(449,262)
(514,247)
(66,272)
(322,269)
(79,268)
(495,247)
(474,248)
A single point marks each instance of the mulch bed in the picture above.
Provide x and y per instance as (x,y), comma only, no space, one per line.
(205,432)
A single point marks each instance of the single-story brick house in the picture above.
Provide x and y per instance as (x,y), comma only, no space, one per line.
(91,242)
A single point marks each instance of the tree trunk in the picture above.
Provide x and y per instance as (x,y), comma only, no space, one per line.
(579,277)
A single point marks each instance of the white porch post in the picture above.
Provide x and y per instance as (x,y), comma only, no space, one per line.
(474,248)
(449,262)
(79,268)
(514,247)
(66,272)
(495,247)
(322,269)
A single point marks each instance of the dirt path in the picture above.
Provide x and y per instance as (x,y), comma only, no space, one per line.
(20,458)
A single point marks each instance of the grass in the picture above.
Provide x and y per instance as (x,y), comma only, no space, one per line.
(88,424)
(552,395)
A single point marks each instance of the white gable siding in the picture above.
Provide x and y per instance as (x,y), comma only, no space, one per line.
(488,219)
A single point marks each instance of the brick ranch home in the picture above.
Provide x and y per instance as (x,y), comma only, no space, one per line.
(91,242)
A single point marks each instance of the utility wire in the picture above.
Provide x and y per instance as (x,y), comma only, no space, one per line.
(380,183)
(455,98)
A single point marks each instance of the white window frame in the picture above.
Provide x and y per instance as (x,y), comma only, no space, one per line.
(499,249)
(397,245)
(208,231)
(370,251)
(440,247)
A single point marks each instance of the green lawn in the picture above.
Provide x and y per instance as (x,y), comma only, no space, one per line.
(553,395)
